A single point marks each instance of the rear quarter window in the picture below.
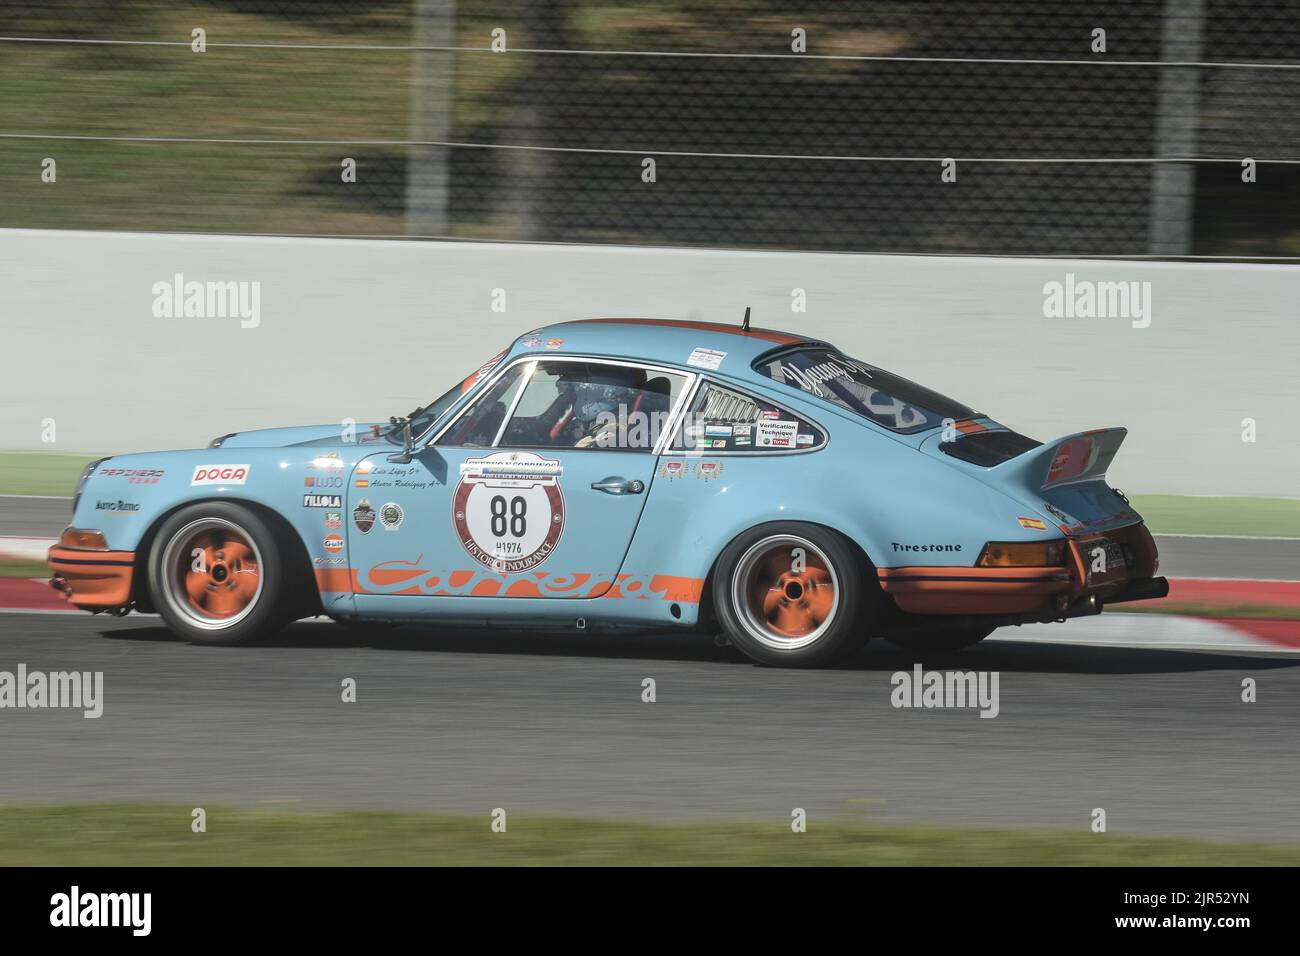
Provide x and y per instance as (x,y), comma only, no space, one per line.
(723,419)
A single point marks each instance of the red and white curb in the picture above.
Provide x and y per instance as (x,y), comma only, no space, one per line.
(25,549)
(1167,632)
(23,595)
(1212,592)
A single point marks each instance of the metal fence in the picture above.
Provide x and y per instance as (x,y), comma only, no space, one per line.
(974,127)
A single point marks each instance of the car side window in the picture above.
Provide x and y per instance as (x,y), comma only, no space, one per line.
(724,419)
(478,425)
(588,404)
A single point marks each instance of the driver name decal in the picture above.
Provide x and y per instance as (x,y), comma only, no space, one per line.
(508,510)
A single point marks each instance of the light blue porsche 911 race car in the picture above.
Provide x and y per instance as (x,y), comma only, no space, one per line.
(627,473)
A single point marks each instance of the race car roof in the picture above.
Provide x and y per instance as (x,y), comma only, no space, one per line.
(662,340)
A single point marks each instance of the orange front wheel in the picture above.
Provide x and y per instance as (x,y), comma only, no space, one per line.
(217,569)
(216,575)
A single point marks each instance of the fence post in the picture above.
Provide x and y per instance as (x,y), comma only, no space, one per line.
(428,168)
(1177,118)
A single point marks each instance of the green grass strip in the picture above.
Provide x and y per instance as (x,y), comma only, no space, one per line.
(150,835)
(1183,514)
(23,568)
(38,473)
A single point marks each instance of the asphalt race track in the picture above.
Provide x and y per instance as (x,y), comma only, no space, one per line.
(470,721)
(555,725)
(1192,557)
(34,517)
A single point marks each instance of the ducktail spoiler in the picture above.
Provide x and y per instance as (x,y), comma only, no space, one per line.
(1084,456)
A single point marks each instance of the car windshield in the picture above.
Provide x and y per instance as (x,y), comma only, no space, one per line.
(427,415)
(873,393)
(422,418)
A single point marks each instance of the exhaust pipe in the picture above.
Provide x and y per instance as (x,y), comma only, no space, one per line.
(1088,604)
(1147,589)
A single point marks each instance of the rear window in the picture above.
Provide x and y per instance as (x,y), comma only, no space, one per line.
(863,389)
(987,449)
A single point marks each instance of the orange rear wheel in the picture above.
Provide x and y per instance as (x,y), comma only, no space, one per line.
(786,590)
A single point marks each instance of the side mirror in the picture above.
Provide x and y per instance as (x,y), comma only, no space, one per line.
(404,456)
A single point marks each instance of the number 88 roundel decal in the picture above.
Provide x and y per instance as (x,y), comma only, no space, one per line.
(508,510)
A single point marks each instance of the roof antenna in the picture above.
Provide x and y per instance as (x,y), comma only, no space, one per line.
(744,325)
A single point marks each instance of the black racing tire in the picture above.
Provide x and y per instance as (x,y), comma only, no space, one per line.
(791,594)
(218,574)
(937,639)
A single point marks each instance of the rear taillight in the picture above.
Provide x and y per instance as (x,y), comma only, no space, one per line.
(1022,554)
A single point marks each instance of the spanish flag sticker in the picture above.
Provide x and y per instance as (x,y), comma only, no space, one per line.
(363,483)
(1033,524)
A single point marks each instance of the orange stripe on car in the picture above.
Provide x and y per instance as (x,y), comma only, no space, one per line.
(334,580)
(965,590)
(581,585)
(684,590)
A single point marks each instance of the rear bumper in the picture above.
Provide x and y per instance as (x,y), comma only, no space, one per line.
(92,580)
(1033,593)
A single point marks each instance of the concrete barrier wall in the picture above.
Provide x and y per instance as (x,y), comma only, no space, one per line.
(365,329)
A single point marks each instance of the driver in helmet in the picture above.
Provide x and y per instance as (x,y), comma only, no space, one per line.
(597,406)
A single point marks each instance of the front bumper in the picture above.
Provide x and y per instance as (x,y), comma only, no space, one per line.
(1033,593)
(92,580)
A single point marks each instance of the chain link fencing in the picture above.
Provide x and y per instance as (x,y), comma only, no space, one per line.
(717,124)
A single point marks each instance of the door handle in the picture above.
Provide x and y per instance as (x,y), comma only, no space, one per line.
(618,486)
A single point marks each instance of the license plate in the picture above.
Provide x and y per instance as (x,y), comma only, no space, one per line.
(1115,554)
